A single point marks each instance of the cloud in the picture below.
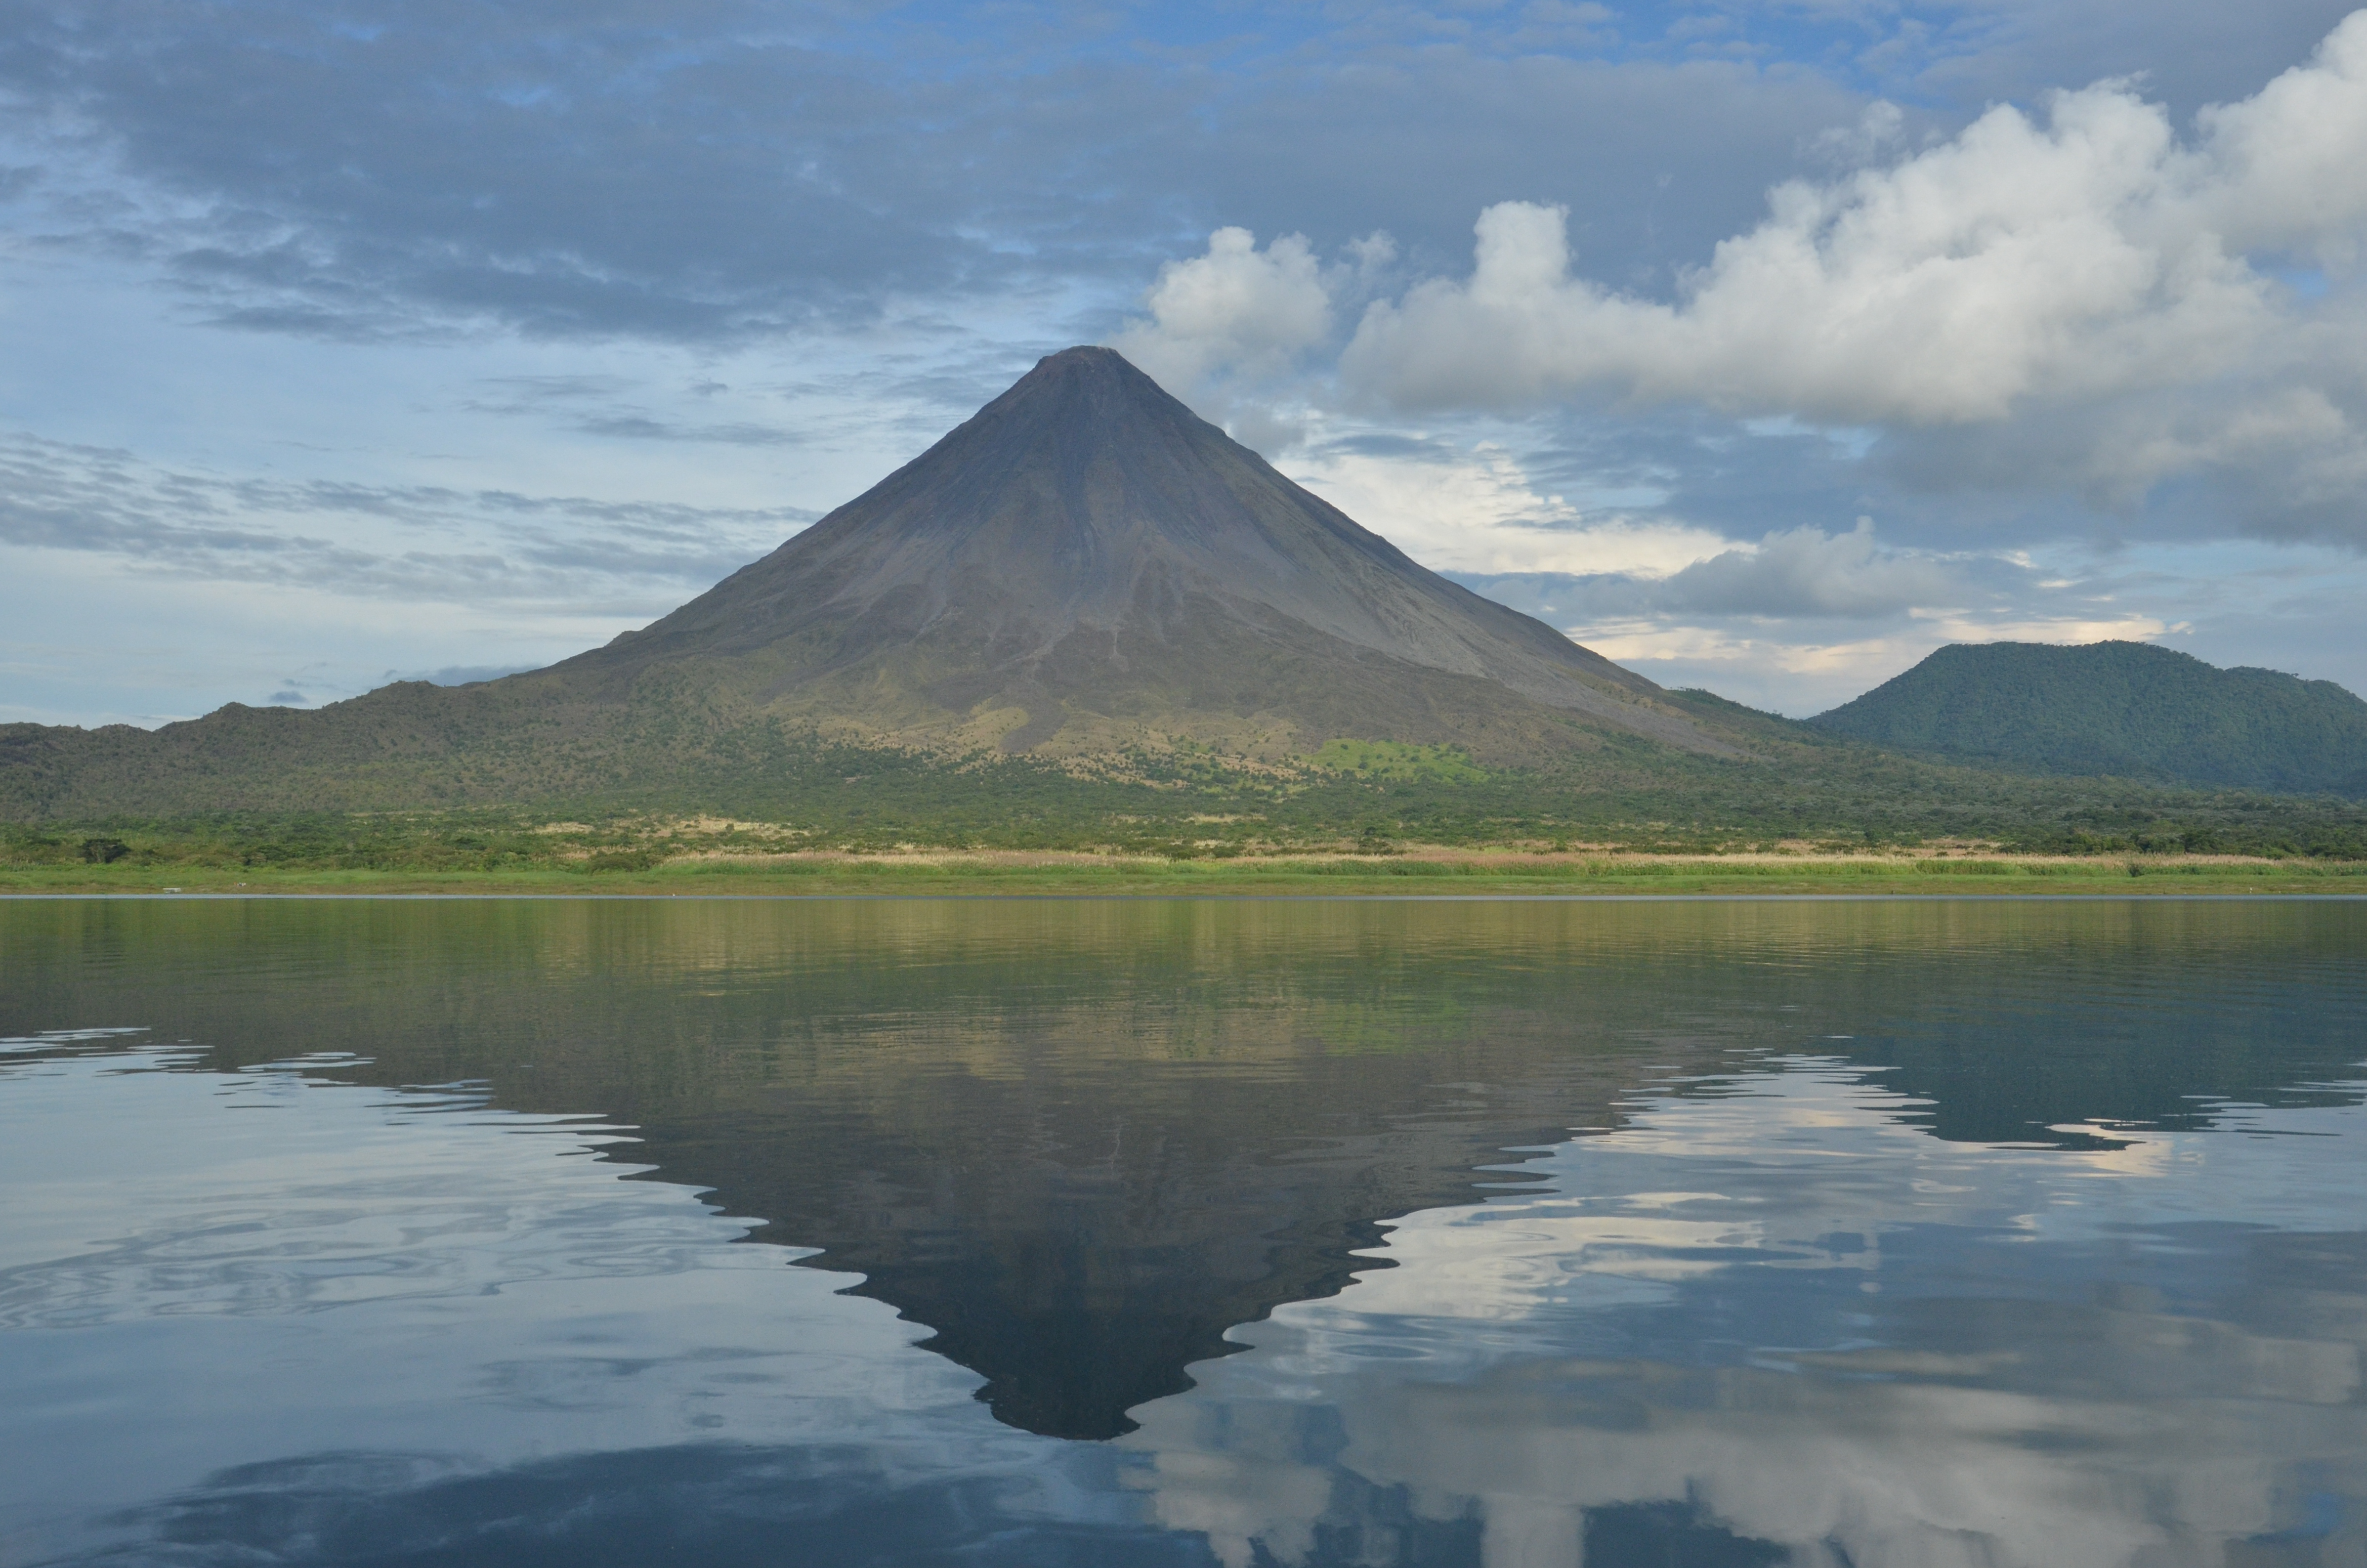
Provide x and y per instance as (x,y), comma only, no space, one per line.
(2188,52)
(1236,310)
(2015,260)
(1800,619)
(1806,571)
(1224,327)
(1535,1367)
(2280,169)
(1801,668)
(1805,618)
(2129,306)
(724,170)
(1796,621)
(1479,510)
(422,221)
(605,406)
(410,542)
(460,675)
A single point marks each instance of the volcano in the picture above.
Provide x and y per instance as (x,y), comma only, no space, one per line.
(1086,564)
(1083,569)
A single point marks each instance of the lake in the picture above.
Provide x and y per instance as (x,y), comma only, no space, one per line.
(1075,1232)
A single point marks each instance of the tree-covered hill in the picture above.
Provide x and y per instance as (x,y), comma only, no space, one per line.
(2123,709)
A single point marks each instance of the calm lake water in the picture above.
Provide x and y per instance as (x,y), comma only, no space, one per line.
(1105,1233)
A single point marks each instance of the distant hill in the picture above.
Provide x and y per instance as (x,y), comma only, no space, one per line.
(2127,709)
(1082,567)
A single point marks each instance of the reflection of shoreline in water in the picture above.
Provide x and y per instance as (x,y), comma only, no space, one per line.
(1082,1143)
(2067,1356)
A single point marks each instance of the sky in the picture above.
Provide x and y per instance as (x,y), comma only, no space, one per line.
(1762,346)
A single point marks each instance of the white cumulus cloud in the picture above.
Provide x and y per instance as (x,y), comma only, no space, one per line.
(2086,254)
(2082,298)
(1235,311)
(1480,512)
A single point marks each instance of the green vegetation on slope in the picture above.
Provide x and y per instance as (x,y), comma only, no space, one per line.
(2124,709)
(774,792)
(412,779)
(1397,759)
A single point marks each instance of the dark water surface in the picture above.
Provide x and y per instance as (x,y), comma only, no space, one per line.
(1503,1233)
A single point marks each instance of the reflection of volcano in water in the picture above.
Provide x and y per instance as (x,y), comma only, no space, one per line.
(1079,1244)
(1079,1142)
(1769,1323)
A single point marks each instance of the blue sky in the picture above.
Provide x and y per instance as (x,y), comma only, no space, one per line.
(1762,346)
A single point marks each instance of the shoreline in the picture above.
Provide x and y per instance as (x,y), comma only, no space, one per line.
(1422,873)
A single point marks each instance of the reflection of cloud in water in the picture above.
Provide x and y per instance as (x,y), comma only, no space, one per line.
(1781,1312)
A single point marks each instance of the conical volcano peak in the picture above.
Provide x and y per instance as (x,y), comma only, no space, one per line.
(1087,385)
(1092,371)
(1073,400)
(1090,364)
(1085,564)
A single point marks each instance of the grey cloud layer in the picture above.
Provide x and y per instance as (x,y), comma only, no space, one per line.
(609,406)
(416,542)
(1801,574)
(1810,572)
(694,171)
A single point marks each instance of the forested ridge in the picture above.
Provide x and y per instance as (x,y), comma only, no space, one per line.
(2118,709)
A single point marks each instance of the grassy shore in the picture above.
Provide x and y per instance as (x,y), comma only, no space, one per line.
(1414,872)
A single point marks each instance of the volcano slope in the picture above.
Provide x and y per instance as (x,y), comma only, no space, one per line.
(1087,564)
(1083,569)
